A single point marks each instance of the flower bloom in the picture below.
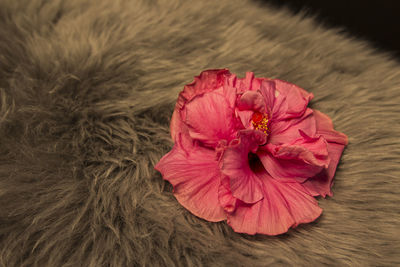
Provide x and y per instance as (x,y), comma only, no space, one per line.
(251,152)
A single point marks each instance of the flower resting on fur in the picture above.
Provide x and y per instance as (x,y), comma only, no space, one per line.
(251,152)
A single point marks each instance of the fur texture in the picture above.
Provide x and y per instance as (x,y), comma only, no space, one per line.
(87,89)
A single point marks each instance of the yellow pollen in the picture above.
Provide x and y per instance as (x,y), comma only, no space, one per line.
(260,122)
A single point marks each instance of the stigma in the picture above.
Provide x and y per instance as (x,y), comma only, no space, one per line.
(260,122)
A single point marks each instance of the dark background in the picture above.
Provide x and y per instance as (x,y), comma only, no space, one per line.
(376,21)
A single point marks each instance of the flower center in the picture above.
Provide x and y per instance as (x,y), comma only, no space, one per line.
(255,163)
(260,122)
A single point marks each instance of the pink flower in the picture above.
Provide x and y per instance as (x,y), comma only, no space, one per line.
(251,152)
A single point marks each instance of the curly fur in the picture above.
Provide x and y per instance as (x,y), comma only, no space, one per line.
(87,89)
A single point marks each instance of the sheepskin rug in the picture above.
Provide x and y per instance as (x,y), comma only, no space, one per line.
(87,89)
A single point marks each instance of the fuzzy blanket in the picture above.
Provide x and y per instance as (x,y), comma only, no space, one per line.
(87,89)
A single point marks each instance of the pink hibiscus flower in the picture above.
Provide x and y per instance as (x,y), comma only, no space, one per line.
(251,152)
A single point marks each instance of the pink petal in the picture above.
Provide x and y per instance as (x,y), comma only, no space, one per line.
(249,83)
(244,184)
(226,200)
(324,127)
(284,205)
(303,158)
(321,184)
(175,124)
(207,81)
(251,100)
(178,128)
(291,101)
(311,150)
(196,180)
(245,84)
(261,100)
(267,89)
(285,131)
(245,117)
(256,83)
(210,117)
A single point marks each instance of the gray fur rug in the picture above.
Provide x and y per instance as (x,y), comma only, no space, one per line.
(87,89)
